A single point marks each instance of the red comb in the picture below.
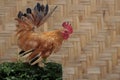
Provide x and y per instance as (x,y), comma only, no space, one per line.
(68,26)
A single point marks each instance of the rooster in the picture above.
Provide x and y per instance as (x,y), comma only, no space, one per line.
(40,46)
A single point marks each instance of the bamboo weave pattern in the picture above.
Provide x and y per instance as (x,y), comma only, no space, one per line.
(92,52)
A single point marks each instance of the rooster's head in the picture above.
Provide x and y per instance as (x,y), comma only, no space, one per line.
(67,30)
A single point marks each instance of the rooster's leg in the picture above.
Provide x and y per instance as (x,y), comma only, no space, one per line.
(47,54)
(44,60)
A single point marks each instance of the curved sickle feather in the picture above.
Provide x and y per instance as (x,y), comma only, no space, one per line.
(47,16)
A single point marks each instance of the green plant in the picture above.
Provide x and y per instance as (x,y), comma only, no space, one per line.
(24,71)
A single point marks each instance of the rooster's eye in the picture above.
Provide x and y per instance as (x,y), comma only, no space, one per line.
(66,31)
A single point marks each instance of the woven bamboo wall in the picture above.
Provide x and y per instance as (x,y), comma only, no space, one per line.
(92,52)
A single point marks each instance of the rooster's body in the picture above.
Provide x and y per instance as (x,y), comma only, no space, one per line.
(40,45)
(43,44)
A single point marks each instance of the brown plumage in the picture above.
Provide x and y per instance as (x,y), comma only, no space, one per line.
(40,45)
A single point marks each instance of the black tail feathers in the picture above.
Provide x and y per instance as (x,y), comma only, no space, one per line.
(38,15)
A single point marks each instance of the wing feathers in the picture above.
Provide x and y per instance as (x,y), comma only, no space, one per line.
(36,61)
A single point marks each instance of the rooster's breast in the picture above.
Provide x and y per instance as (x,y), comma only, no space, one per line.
(51,40)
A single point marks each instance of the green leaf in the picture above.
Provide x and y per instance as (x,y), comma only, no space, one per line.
(24,71)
